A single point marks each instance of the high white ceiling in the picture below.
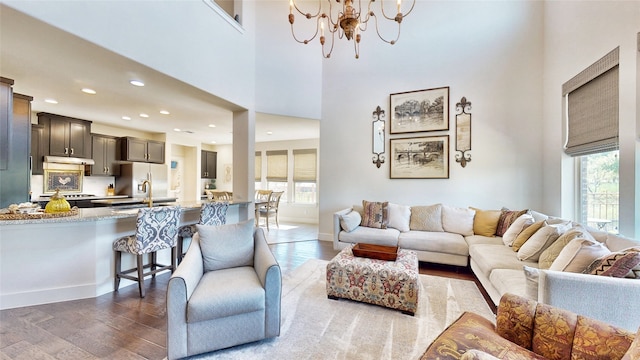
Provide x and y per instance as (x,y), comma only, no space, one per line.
(48,63)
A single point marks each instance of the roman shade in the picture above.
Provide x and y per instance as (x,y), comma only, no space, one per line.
(258,166)
(304,165)
(277,165)
(592,107)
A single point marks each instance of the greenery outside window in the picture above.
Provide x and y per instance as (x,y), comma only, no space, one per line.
(599,190)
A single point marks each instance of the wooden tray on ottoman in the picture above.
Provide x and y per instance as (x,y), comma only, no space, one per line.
(380,252)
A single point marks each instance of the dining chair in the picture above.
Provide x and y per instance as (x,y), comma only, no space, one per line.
(271,208)
(156,229)
(261,201)
(213,213)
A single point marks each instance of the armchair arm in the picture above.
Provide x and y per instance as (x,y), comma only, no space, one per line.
(268,272)
(604,298)
(181,285)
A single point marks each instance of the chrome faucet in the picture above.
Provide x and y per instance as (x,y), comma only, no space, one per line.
(144,188)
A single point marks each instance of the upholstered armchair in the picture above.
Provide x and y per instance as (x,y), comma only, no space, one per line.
(225,292)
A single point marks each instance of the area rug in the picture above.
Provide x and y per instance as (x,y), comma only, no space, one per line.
(315,327)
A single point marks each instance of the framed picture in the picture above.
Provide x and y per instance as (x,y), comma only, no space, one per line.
(422,110)
(420,158)
(64,180)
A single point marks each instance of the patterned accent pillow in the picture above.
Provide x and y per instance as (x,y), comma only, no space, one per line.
(426,218)
(596,339)
(507,217)
(551,253)
(375,214)
(617,264)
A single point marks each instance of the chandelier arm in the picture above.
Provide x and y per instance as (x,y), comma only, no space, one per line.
(306,41)
(328,55)
(307,15)
(413,4)
(411,9)
(380,36)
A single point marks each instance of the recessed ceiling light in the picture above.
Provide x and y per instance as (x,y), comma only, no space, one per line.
(176,129)
(89,91)
(213,141)
(164,112)
(144,115)
(269,132)
(136,83)
(126,118)
(212,125)
(50,101)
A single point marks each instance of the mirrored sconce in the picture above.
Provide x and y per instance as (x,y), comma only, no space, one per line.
(378,136)
(463,131)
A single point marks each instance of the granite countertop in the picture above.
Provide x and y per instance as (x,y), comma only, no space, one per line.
(106,213)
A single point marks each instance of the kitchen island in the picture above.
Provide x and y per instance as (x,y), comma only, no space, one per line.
(67,258)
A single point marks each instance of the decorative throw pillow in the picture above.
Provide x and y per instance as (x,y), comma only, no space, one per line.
(399,216)
(350,221)
(374,214)
(485,222)
(526,234)
(457,220)
(226,246)
(540,241)
(551,253)
(617,264)
(507,217)
(532,276)
(537,216)
(426,218)
(577,255)
(521,223)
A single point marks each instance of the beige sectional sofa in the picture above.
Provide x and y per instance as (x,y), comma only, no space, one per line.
(460,236)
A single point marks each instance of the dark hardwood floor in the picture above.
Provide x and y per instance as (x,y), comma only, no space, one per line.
(121,325)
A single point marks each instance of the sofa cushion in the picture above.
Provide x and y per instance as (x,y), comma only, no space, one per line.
(399,216)
(363,234)
(440,242)
(532,279)
(509,281)
(490,257)
(375,214)
(213,298)
(507,217)
(457,220)
(225,246)
(521,223)
(551,253)
(540,241)
(485,222)
(426,218)
(479,239)
(617,264)
(577,255)
(526,234)
(350,221)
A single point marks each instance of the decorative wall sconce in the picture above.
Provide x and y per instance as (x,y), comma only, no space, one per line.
(378,136)
(463,131)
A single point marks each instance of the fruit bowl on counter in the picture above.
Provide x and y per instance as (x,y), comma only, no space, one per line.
(24,211)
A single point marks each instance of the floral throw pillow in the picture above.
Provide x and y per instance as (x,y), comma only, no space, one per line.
(375,214)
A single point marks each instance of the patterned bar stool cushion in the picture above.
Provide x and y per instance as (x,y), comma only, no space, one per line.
(212,213)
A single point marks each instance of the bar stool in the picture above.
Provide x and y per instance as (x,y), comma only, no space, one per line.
(212,213)
(156,229)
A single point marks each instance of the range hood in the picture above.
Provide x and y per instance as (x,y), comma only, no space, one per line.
(68,160)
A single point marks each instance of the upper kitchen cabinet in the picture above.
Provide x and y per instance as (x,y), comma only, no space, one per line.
(38,149)
(209,163)
(67,136)
(104,151)
(141,150)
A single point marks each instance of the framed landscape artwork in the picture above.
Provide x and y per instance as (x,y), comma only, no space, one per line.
(420,158)
(422,110)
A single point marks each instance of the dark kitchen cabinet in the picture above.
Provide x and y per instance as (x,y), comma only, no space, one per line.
(104,151)
(141,150)
(67,136)
(209,163)
(38,149)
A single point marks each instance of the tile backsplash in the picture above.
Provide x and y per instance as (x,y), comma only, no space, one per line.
(94,185)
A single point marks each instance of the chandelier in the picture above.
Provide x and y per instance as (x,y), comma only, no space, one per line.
(347,22)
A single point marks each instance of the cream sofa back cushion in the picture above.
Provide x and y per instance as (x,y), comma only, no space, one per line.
(426,218)
(540,241)
(399,216)
(578,254)
(457,220)
(521,223)
(551,253)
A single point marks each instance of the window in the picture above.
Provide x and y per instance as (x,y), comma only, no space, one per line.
(277,171)
(599,195)
(304,176)
(258,167)
(592,111)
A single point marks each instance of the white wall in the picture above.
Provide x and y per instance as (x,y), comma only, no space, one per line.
(577,33)
(490,52)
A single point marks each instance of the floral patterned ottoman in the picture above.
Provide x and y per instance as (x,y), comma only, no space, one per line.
(392,284)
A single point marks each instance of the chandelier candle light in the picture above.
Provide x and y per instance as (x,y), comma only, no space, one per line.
(347,22)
